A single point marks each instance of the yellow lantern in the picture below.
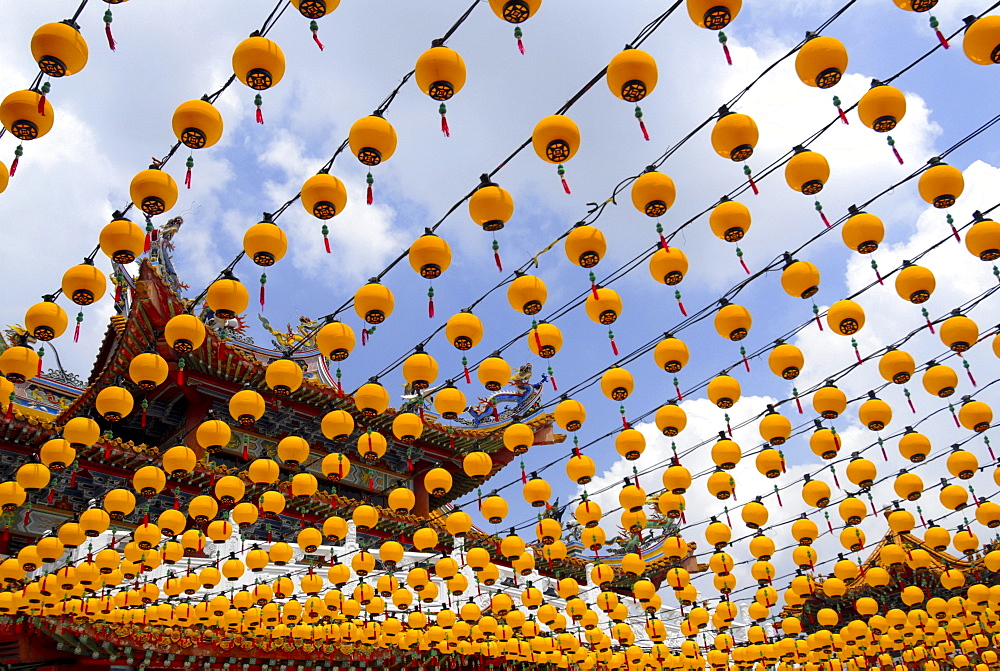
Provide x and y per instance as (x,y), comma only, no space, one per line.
(915,283)
(861,472)
(149,481)
(172,522)
(668,265)
(464,330)
(114,403)
(862,232)
(585,245)
(335,466)
(875,413)
(35,477)
(724,391)
(845,317)
(438,482)
(580,468)
(570,414)
(603,305)
(730,220)
(153,191)
(477,465)
(494,509)
(213,435)
(632,75)
(184,333)
(975,415)
(373,302)
(19,364)
(653,193)
(671,419)
(981,43)
(721,485)
(537,491)
(259,63)
(962,464)
(265,243)
(940,380)
(227,297)
(122,240)
(197,124)
(246,407)
(372,139)
(59,49)
(733,321)
(941,184)
(407,427)
(545,340)
(527,294)
(440,72)
(450,402)
(807,171)
(324,196)
(202,509)
(57,454)
(815,493)
(46,320)
(556,139)
(774,427)
(338,425)
(148,370)
(84,284)
(283,376)
(21,116)
(229,489)
(983,239)
(491,207)
(800,279)
(786,361)
(293,450)
(959,332)
(617,383)
(882,107)
(371,399)
(630,444)
(712,14)
(372,446)
(430,255)
(493,373)
(755,514)
(734,136)
(770,463)
(829,401)
(821,61)
(365,517)
(896,366)
(96,521)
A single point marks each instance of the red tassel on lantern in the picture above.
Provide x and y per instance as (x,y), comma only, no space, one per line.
(107,30)
(444,120)
(314,27)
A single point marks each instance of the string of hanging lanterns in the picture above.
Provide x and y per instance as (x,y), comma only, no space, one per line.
(912,334)
(710,309)
(650,173)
